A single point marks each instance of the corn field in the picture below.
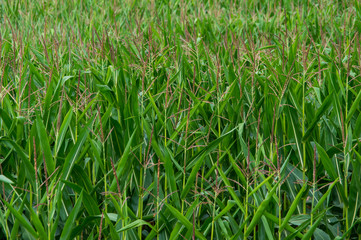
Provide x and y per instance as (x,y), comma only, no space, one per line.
(180,119)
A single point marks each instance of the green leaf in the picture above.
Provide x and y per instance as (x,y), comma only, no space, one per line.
(6,119)
(287,226)
(331,170)
(261,208)
(354,106)
(89,202)
(123,161)
(199,161)
(184,220)
(136,223)
(37,223)
(310,231)
(5,179)
(70,222)
(292,208)
(44,142)
(22,219)
(325,105)
(62,131)
(30,172)
(75,151)
(324,196)
(230,204)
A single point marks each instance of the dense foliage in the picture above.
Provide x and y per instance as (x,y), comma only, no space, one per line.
(180,119)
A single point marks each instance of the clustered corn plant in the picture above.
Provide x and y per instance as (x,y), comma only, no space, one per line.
(180,119)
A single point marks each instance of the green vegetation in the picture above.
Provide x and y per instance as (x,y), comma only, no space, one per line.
(180,119)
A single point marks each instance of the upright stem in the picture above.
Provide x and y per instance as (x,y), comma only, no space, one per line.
(185,152)
(246,207)
(213,215)
(165,138)
(140,204)
(140,201)
(346,155)
(158,200)
(279,209)
(303,143)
